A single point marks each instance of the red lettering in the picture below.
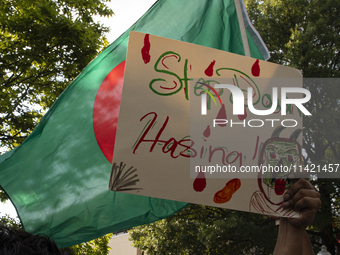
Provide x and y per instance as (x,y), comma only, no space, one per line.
(171,145)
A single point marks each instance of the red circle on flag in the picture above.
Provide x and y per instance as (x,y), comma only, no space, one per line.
(106,110)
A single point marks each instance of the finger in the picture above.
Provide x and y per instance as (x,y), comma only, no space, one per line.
(300,184)
(312,203)
(302,193)
(305,220)
(273,218)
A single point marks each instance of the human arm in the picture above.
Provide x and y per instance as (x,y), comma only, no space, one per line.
(293,238)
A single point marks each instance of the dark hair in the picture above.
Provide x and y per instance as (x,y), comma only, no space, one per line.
(19,242)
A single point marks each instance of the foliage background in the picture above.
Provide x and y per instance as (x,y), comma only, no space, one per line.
(44,45)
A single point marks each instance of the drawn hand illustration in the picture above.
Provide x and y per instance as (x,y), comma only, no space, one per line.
(121,180)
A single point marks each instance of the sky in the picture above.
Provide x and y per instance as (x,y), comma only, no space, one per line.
(127,12)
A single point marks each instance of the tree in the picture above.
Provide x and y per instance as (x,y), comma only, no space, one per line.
(304,34)
(43,46)
(307,37)
(98,246)
(207,230)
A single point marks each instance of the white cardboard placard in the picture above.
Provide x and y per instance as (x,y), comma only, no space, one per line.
(160,123)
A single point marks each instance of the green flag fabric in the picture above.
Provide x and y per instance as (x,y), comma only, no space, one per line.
(58,177)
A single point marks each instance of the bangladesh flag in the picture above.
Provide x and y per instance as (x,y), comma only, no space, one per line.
(58,177)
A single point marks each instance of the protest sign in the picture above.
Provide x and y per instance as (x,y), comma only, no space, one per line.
(188,131)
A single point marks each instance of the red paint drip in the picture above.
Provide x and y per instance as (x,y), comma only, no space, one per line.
(210,70)
(206,132)
(200,182)
(146,49)
(280,186)
(244,116)
(222,114)
(255,69)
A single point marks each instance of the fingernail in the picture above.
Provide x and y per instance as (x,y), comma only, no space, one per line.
(286,197)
